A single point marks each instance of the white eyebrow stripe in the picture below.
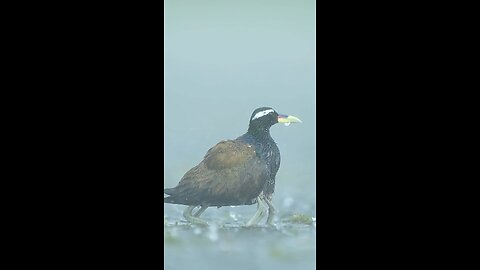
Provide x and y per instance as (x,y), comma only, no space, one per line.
(262,113)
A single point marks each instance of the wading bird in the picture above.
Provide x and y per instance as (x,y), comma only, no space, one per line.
(235,172)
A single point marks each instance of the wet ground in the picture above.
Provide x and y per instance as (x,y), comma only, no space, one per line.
(227,244)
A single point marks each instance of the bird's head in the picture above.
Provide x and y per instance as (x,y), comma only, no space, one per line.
(265,117)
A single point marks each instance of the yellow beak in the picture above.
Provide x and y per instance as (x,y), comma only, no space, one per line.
(288,119)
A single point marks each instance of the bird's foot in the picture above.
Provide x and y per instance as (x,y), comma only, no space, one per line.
(194,219)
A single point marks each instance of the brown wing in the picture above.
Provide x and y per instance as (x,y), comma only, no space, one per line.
(230,174)
(228,154)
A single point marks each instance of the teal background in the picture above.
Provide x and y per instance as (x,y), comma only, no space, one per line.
(223,59)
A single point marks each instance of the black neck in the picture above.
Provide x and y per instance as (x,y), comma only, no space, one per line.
(260,133)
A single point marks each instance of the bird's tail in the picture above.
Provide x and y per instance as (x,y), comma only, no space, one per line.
(169,191)
(169,200)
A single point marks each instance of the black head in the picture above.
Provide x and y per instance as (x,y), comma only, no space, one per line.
(265,117)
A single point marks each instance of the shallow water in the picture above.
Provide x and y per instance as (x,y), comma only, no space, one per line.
(227,244)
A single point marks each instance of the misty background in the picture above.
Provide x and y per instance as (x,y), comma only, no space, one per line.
(224,59)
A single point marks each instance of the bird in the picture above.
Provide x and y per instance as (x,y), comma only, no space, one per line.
(235,172)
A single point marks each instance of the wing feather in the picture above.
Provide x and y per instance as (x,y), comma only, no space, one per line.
(230,174)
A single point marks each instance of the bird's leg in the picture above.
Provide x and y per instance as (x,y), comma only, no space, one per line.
(192,219)
(261,208)
(262,198)
(200,211)
(271,210)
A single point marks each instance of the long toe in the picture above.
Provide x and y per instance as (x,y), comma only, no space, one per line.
(196,220)
(191,218)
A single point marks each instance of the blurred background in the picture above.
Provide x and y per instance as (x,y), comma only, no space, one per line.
(223,59)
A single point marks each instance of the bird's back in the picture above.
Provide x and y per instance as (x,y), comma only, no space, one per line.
(231,173)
